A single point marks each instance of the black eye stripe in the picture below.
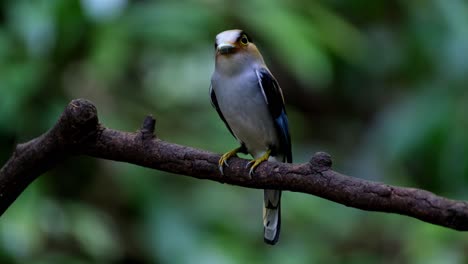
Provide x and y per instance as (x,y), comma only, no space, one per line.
(243,34)
(247,36)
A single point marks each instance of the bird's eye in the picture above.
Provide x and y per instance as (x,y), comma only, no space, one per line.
(244,40)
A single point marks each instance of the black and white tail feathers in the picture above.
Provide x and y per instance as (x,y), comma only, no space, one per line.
(271,216)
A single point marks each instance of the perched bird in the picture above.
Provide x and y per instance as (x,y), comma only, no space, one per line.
(250,102)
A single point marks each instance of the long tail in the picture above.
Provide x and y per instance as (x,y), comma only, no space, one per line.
(271,216)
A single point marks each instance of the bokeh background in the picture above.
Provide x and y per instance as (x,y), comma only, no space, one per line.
(380,85)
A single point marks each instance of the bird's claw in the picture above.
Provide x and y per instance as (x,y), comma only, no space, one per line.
(253,164)
(256,162)
(223,160)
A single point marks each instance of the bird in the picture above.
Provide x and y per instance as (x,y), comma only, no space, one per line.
(250,101)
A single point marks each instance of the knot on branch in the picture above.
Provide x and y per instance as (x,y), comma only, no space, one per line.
(78,122)
(321,161)
(147,128)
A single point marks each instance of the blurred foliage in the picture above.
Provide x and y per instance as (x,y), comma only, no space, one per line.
(380,85)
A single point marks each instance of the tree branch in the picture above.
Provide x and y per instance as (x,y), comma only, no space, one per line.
(78,132)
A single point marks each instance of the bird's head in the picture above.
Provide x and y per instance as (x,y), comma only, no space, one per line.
(235,49)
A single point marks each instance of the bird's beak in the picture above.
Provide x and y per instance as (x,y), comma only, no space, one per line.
(226,48)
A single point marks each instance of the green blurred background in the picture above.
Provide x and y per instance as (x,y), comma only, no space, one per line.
(380,85)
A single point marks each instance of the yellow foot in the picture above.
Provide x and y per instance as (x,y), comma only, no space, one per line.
(223,160)
(256,162)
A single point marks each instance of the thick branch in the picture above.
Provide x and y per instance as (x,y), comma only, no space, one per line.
(78,132)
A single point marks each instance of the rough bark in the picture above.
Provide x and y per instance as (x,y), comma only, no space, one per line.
(78,132)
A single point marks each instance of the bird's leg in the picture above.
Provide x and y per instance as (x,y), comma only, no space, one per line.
(256,162)
(223,160)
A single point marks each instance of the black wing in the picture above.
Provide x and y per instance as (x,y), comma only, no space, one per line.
(214,103)
(275,101)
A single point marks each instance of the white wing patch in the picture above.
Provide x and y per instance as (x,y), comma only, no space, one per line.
(259,78)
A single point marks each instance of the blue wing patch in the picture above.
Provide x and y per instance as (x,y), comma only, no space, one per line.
(281,122)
